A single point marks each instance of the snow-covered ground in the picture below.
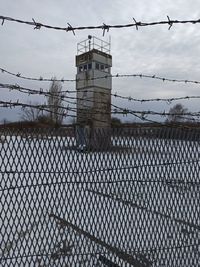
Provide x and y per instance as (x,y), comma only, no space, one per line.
(141,199)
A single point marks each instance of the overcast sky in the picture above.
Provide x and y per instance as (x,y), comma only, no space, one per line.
(152,50)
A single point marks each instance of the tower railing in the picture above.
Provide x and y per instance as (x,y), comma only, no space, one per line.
(93,42)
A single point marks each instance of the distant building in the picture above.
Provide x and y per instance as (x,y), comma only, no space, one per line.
(93,61)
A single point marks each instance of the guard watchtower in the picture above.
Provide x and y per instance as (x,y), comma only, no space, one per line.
(93,83)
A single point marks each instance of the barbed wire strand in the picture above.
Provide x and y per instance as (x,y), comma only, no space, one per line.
(63,95)
(104,27)
(116,110)
(140,75)
(64,111)
(88,113)
(122,111)
(59,96)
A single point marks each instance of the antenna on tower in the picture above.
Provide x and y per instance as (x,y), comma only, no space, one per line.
(89,37)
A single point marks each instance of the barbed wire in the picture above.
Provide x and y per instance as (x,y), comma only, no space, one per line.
(63,95)
(167,100)
(139,75)
(104,27)
(141,115)
(49,109)
(42,107)
(18,75)
(125,111)
(116,110)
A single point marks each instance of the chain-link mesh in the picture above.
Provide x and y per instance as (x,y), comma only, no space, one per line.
(126,197)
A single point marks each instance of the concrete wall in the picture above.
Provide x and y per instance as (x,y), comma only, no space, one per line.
(85,98)
(84,79)
(94,107)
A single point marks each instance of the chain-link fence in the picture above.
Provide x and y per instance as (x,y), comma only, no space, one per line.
(126,197)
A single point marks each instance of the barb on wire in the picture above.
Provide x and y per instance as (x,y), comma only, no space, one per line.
(105,27)
(136,23)
(3,20)
(170,23)
(37,25)
(70,28)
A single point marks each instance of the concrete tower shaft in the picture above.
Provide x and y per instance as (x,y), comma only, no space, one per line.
(93,83)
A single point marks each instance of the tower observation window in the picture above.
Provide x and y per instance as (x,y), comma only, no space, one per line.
(80,69)
(97,66)
(85,67)
(107,69)
(102,67)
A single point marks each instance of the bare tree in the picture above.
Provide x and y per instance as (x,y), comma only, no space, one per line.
(55,102)
(176,113)
(31,113)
